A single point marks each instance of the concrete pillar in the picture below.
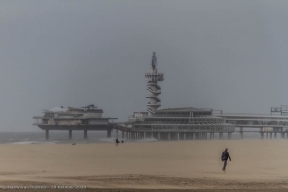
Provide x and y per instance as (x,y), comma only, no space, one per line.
(126,134)
(169,136)
(108,133)
(220,136)
(184,136)
(70,134)
(47,134)
(267,135)
(241,132)
(85,134)
(229,135)
(158,135)
(178,136)
(262,135)
(144,136)
(275,135)
(270,135)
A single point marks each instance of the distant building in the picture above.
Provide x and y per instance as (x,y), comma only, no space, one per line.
(172,123)
(71,118)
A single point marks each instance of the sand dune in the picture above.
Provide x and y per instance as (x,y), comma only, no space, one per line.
(195,165)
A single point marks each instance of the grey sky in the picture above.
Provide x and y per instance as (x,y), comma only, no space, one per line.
(224,54)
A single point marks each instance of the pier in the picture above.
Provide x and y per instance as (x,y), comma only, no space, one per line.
(268,126)
(69,119)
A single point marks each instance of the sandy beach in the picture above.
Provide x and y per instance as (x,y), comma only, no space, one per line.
(257,165)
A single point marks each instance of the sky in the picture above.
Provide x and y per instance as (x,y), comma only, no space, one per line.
(228,55)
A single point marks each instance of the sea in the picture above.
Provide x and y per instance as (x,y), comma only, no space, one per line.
(62,137)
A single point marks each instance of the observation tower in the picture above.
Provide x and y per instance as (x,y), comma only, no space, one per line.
(153,87)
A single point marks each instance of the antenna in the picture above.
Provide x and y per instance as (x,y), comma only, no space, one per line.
(154,61)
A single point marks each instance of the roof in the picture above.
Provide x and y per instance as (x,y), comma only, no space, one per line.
(184,109)
(58,109)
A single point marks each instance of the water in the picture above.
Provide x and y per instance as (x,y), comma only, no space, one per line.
(58,137)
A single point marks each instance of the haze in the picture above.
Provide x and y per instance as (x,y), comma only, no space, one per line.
(226,54)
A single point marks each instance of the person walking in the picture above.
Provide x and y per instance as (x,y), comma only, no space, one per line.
(117,141)
(224,157)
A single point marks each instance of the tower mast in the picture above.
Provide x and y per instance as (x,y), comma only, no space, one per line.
(153,87)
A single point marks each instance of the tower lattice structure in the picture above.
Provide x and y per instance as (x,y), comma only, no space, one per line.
(153,87)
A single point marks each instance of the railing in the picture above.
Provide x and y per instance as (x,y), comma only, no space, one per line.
(154,74)
(159,103)
(153,91)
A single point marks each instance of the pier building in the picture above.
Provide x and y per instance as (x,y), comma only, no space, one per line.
(86,118)
(171,123)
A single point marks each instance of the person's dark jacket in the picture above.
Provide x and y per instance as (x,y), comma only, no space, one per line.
(225,156)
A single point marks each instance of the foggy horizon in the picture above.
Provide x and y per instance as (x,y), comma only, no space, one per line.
(226,55)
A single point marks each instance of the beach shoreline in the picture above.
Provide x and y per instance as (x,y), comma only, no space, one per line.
(142,166)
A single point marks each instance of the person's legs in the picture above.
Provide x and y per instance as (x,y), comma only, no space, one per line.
(225,163)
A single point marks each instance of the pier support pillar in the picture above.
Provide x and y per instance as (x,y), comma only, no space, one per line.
(158,135)
(270,135)
(275,135)
(267,135)
(178,136)
(229,135)
(123,134)
(220,136)
(108,133)
(70,134)
(47,134)
(262,135)
(144,136)
(85,134)
(169,136)
(184,136)
(241,132)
